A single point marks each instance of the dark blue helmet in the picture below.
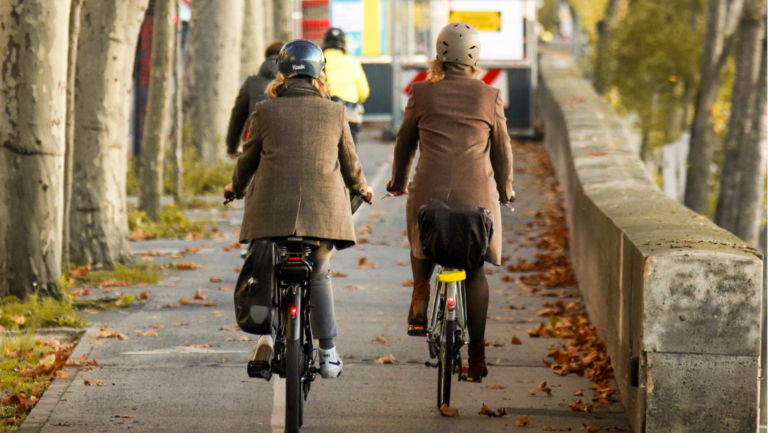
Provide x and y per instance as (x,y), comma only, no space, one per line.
(301,57)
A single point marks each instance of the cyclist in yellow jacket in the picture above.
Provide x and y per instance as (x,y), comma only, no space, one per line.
(346,80)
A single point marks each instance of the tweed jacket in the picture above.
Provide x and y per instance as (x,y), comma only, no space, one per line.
(459,127)
(298,166)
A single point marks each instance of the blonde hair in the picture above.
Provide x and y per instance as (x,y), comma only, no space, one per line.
(437,71)
(319,84)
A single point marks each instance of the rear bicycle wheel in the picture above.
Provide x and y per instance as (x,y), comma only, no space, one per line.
(293,406)
(445,363)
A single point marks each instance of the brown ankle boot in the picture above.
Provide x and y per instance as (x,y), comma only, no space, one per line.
(417,315)
(477,367)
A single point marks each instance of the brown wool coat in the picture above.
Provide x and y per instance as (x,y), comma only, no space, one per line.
(465,151)
(297,164)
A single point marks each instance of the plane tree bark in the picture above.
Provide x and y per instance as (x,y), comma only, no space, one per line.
(722,20)
(253,44)
(158,109)
(741,179)
(215,36)
(107,49)
(33,83)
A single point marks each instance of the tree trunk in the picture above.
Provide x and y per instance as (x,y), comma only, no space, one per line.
(216,31)
(752,159)
(33,53)
(178,115)
(744,101)
(253,44)
(718,38)
(158,108)
(283,13)
(74,34)
(601,80)
(107,49)
(269,21)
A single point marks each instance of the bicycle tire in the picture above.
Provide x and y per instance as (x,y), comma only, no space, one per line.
(445,362)
(293,392)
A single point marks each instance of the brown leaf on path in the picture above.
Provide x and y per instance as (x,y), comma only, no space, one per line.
(192,236)
(205,303)
(408,283)
(523,421)
(178,255)
(590,428)
(362,240)
(86,382)
(485,411)
(226,288)
(152,253)
(363,263)
(364,230)
(448,412)
(109,333)
(339,275)
(150,333)
(144,295)
(125,416)
(199,346)
(187,266)
(351,287)
(81,292)
(349,357)
(199,294)
(61,374)
(598,153)
(180,324)
(389,359)
(379,339)
(173,305)
(516,340)
(541,388)
(192,250)
(546,363)
(496,387)
(97,382)
(532,333)
(237,270)
(578,393)
(158,326)
(215,279)
(243,338)
(81,270)
(230,328)
(140,235)
(579,406)
(183,301)
(618,429)
(548,428)
(489,271)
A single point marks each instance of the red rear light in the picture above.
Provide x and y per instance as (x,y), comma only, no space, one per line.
(294,259)
(451,303)
(294,310)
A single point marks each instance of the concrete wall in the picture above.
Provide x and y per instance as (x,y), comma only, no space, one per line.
(662,284)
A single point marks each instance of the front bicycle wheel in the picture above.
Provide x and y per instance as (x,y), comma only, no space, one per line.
(293,395)
(445,363)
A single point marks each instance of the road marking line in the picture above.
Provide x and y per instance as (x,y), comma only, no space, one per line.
(278,405)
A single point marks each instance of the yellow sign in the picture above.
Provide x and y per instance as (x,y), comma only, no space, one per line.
(483,21)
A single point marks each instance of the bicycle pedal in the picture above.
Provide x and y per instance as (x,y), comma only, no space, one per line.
(417,331)
(259,370)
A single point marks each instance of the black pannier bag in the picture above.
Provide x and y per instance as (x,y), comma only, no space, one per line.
(455,235)
(255,290)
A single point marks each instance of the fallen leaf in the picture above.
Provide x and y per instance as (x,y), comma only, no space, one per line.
(618,429)
(230,328)
(199,294)
(339,275)
(578,393)
(158,326)
(145,295)
(200,346)
(81,292)
(215,279)
(523,421)
(125,416)
(541,388)
(516,340)
(226,288)
(547,428)
(180,324)
(150,333)
(598,153)
(97,382)
(349,357)
(389,359)
(81,270)
(363,263)
(590,428)
(496,387)
(243,338)
(237,270)
(205,303)
(350,287)
(183,301)
(61,374)
(86,382)
(408,283)
(187,266)
(379,339)
(191,236)
(448,412)
(178,255)
(140,235)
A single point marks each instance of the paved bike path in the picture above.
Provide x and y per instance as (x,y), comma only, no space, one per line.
(160,384)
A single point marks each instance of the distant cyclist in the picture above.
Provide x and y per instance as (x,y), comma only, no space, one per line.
(297,165)
(457,122)
(346,80)
(251,93)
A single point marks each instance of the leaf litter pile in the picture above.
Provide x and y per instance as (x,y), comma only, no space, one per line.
(27,367)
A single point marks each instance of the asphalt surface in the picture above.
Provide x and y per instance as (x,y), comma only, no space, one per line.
(160,384)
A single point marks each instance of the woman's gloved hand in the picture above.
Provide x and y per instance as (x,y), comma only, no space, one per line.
(396,193)
(369,199)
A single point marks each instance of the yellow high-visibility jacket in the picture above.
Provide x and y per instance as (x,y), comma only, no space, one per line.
(345,77)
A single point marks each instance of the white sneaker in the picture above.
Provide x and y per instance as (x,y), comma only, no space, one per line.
(330,363)
(264,349)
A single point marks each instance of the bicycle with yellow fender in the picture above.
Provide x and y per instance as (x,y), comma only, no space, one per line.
(448,330)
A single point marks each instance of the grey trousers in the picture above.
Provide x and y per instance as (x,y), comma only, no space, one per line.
(323,316)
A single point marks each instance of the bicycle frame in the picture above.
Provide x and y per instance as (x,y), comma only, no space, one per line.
(450,285)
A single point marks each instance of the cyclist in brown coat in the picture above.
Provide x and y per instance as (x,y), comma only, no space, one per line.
(457,122)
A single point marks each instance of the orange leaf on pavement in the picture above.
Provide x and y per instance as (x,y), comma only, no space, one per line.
(145,295)
(81,270)
(199,346)
(199,294)
(516,340)
(150,333)
(448,412)
(215,279)
(408,283)
(389,359)
(523,421)
(226,288)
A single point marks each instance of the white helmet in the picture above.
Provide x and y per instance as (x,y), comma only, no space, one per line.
(459,43)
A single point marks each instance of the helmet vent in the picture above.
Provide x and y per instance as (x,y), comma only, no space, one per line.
(455,25)
(445,52)
(466,26)
(473,47)
(470,56)
(444,43)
